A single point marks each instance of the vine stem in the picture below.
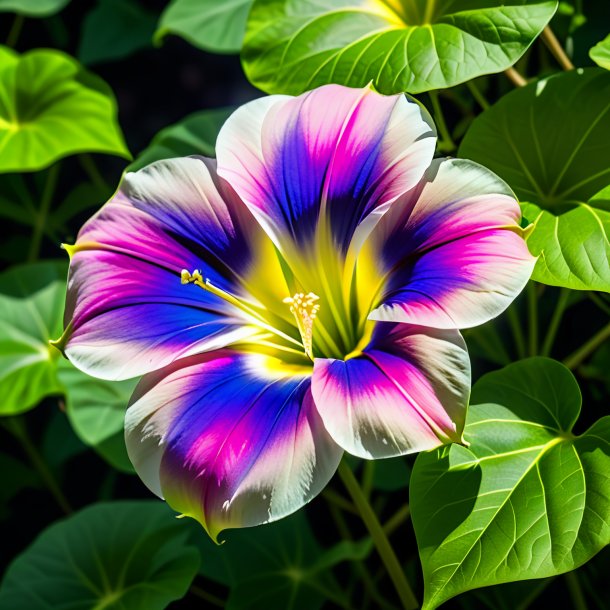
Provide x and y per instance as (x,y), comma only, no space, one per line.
(532,316)
(17,428)
(576,357)
(575,591)
(93,172)
(554,46)
(515,77)
(515,326)
(446,144)
(15,30)
(551,333)
(41,215)
(382,544)
(478,96)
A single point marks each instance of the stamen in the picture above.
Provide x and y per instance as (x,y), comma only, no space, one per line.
(305,309)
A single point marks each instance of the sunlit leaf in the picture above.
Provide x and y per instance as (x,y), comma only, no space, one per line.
(119,555)
(31,310)
(600,53)
(208,24)
(399,45)
(550,142)
(96,410)
(50,107)
(33,8)
(194,135)
(279,565)
(527,499)
(115,29)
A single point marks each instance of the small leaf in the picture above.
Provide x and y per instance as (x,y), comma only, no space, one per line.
(194,135)
(115,29)
(398,45)
(31,305)
(207,24)
(549,141)
(52,108)
(279,565)
(600,53)
(96,410)
(32,8)
(110,555)
(527,498)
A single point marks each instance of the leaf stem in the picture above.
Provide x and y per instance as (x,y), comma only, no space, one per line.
(517,331)
(41,215)
(551,333)
(15,30)
(94,174)
(208,597)
(575,590)
(515,77)
(478,96)
(554,46)
(532,319)
(379,537)
(17,428)
(577,357)
(446,144)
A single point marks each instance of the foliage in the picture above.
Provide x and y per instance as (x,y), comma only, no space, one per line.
(526,497)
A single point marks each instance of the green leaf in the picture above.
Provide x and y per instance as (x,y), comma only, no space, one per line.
(600,53)
(549,141)
(527,499)
(115,29)
(194,135)
(279,565)
(398,45)
(32,8)
(50,107)
(114,555)
(207,24)
(96,410)
(31,306)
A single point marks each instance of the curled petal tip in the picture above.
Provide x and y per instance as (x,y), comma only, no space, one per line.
(70,249)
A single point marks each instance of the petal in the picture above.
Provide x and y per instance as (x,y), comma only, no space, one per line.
(232,440)
(334,152)
(127,312)
(406,392)
(451,251)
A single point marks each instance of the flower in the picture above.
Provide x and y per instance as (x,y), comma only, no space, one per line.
(296,299)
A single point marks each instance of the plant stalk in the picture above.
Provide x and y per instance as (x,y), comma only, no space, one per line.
(578,356)
(382,544)
(446,143)
(551,333)
(554,46)
(43,212)
(532,318)
(13,35)
(515,78)
(575,590)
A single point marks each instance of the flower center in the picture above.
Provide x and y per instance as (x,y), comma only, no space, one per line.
(305,309)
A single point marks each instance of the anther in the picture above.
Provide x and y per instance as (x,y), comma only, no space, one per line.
(304,309)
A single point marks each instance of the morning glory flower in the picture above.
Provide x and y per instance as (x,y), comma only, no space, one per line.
(295,299)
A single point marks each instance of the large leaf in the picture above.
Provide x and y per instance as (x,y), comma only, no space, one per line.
(194,135)
(115,555)
(527,499)
(208,24)
(31,306)
(279,565)
(115,29)
(600,53)
(32,8)
(399,45)
(50,107)
(550,142)
(96,409)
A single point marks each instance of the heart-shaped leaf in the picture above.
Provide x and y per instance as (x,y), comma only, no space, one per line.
(32,8)
(549,141)
(398,45)
(207,24)
(31,307)
(279,565)
(600,53)
(194,135)
(115,29)
(51,107)
(110,555)
(527,499)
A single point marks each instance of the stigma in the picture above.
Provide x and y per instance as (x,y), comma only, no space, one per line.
(305,309)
